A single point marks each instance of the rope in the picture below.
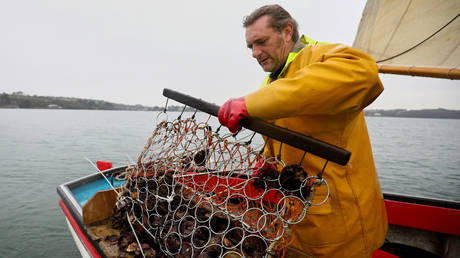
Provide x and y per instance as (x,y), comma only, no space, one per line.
(102,173)
(135,235)
(423,41)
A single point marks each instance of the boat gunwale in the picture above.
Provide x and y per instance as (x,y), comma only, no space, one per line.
(65,190)
(429,201)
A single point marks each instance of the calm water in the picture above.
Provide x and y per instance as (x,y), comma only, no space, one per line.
(40,149)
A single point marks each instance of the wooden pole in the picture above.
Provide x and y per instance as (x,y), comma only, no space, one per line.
(446,73)
(300,141)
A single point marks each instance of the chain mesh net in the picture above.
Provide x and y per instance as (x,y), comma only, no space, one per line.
(195,192)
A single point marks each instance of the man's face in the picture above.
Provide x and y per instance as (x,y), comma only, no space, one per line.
(269,47)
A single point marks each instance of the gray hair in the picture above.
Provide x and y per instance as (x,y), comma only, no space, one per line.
(279,18)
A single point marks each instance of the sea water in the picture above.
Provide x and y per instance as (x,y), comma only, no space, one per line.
(40,149)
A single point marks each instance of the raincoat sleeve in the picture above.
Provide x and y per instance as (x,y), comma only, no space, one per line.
(325,80)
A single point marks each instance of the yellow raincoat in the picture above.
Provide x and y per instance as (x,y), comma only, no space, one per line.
(322,93)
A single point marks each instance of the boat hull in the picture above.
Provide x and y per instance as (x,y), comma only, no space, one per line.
(419,227)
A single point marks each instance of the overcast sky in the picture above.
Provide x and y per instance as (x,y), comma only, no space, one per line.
(128,51)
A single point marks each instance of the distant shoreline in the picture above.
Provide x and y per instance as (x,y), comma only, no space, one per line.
(421,113)
(367,113)
(22,101)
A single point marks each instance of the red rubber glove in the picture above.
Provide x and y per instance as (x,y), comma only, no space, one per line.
(231,113)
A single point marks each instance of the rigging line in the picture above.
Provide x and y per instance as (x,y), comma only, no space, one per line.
(423,41)
(102,173)
(135,235)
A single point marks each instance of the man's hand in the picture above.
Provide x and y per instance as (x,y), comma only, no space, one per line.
(231,113)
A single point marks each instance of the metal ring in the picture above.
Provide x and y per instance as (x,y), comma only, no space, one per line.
(213,216)
(213,246)
(261,226)
(199,209)
(239,209)
(225,239)
(245,222)
(284,207)
(327,195)
(251,243)
(181,225)
(247,186)
(168,250)
(196,232)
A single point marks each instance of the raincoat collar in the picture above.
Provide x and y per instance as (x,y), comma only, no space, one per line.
(301,43)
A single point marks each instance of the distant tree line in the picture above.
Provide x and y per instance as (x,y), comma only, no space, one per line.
(19,100)
(421,113)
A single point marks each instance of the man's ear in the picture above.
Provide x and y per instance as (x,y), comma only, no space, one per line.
(287,32)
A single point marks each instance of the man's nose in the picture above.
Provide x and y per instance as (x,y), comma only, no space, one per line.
(256,51)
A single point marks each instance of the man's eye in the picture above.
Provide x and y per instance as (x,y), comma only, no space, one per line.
(261,42)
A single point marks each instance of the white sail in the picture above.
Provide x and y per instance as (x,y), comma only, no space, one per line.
(420,33)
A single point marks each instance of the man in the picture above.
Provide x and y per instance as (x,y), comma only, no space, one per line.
(320,90)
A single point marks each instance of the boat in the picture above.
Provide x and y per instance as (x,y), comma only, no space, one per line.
(419,227)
